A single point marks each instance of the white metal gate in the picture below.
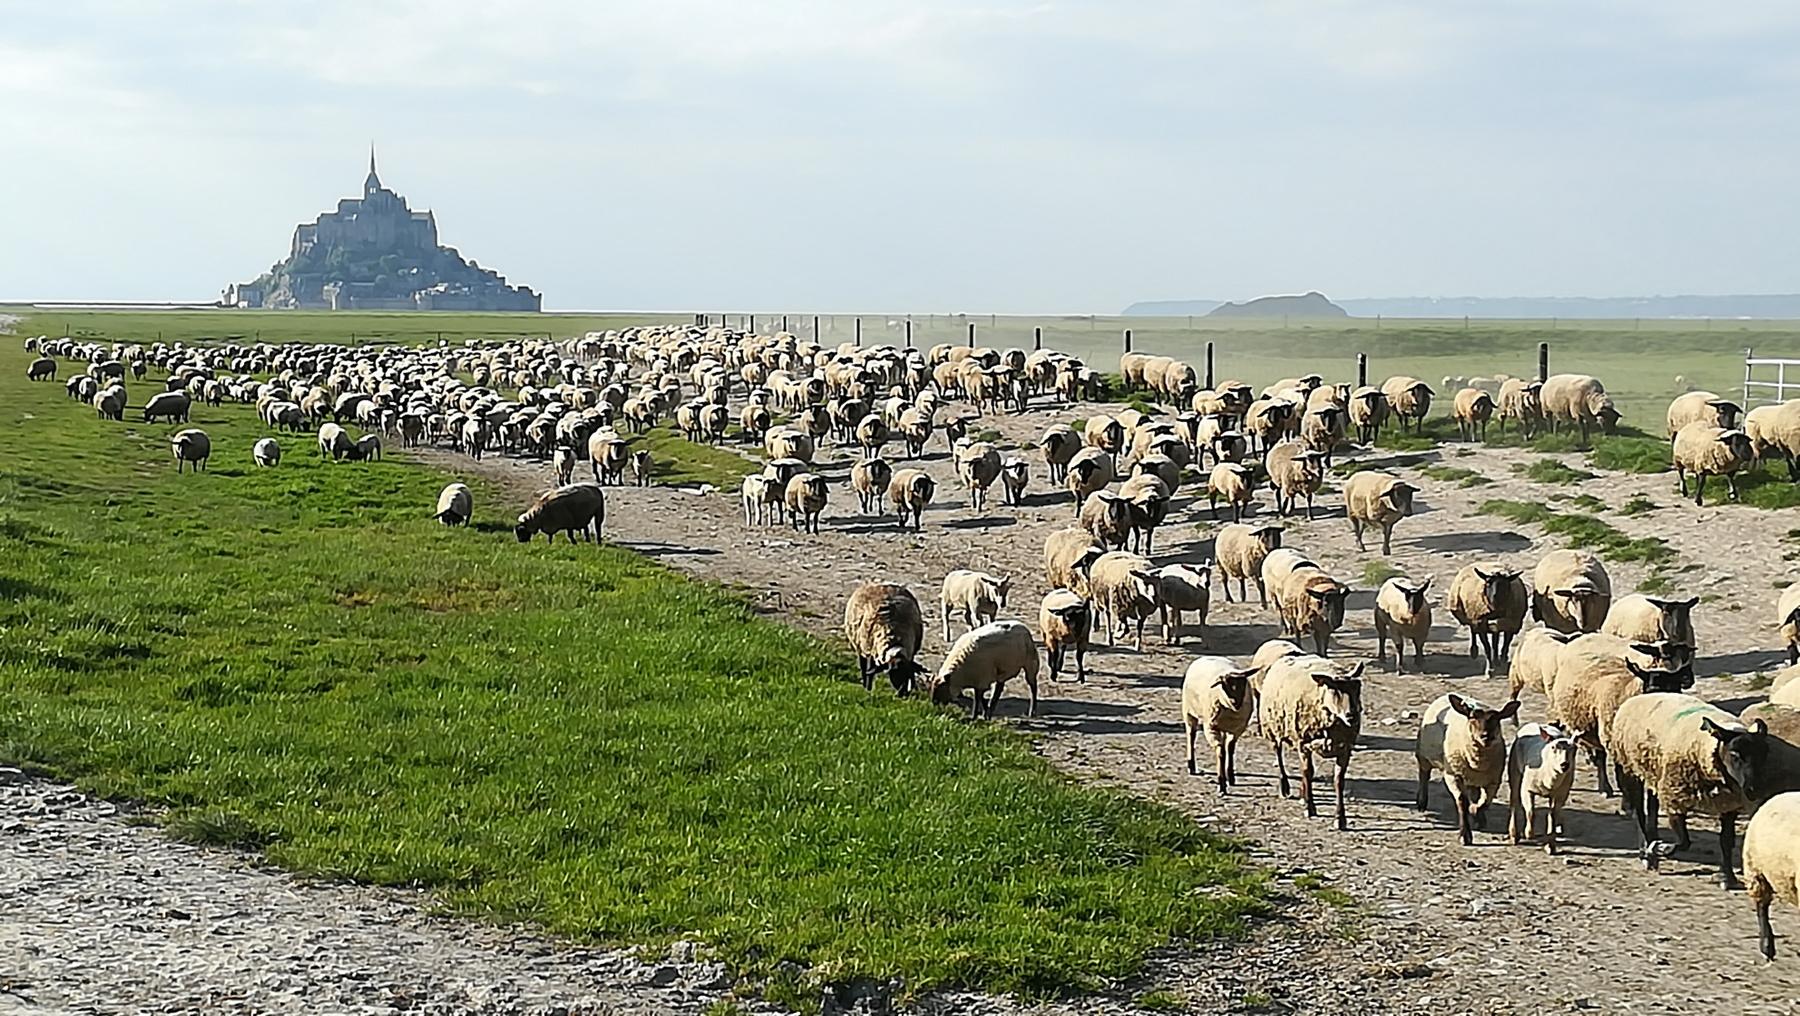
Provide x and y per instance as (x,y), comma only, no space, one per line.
(1766,389)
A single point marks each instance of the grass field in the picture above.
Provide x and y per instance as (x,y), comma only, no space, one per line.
(299,660)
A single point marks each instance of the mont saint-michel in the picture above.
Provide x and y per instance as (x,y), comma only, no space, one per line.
(376,253)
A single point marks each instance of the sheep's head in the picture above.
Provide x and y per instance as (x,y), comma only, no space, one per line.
(1330,595)
(1497,584)
(1738,444)
(1235,685)
(1484,723)
(1399,497)
(1671,666)
(1268,536)
(1607,414)
(1340,695)
(1743,754)
(1085,563)
(1558,755)
(523,530)
(1677,615)
(1725,412)
(1414,593)
(903,672)
(1001,587)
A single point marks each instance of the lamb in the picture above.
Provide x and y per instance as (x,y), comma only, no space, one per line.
(1108,517)
(1685,754)
(643,468)
(1234,482)
(1216,697)
(870,478)
(578,508)
(1490,600)
(1295,471)
(1124,588)
(1184,587)
(1772,862)
(910,492)
(1579,400)
(1597,672)
(172,406)
(1059,443)
(1376,500)
(1402,612)
(1314,708)
(1571,592)
(455,505)
(562,464)
(1014,475)
(1239,551)
(1147,504)
(984,658)
(978,466)
(1472,410)
(1520,402)
(1702,408)
(885,627)
(977,596)
(1461,737)
(1090,470)
(1066,621)
(1409,398)
(1540,767)
(192,446)
(1710,451)
(805,496)
(1534,660)
(1069,556)
(754,497)
(1311,604)
(266,452)
(1639,618)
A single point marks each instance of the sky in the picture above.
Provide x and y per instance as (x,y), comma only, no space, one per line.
(1031,157)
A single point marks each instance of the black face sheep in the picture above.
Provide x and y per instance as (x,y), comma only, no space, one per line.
(1570,591)
(978,466)
(1520,402)
(1146,499)
(335,442)
(1184,588)
(643,467)
(1772,862)
(986,658)
(1124,588)
(1473,409)
(1069,556)
(1579,400)
(1089,471)
(562,464)
(974,596)
(1461,738)
(885,627)
(578,509)
(1702,408)
(1314,708)
(1311,603)
(1639,618)
(454,505)
(1597,672)
(1403,614)
(1295,471)
(1540,767)
(1710,451)
(1409,399)
(42,369)
(1216,698)
(1368,409)
(191,446)
(1532,662)
(1239,550)
(1376,500)
(910,492)
(1233,483)
(1490,600)
(870,479)
(1059,443)
(1108,517)
(805,497)
(171,406)
(1066,621)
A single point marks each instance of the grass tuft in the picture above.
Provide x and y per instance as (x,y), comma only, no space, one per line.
(1464,478)
(1376,572)
(1585,531)
(1551,471)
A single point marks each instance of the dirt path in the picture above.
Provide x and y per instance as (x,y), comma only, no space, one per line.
(1492,923)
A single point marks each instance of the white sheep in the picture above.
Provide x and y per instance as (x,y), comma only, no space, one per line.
(975,596)
(1182,588)
(1704,451)
(988,657)
(1540,767)
(885,627)
(1772,862)
(266,452)
(1315,708)
(1239,551)
(562,465)
(1461,738)
(1069,556)
(1124,588)
(910,492)
(1066,621)
(1533,660)
(1216,698)
(1597,672)
(1379,501)
(1404,614)
(1579,400)
(454,505)
(806,496)
(1235,484)
(1571,591)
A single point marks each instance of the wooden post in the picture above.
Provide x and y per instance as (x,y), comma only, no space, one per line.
(1037,337)
(1465,322)
(784,325)
(1543,362)
(859,331)
(815,327)
(1362,370)
(1378,322)
(909,333)
(1127,340)
(971,335)
(1209,364)
(752,327)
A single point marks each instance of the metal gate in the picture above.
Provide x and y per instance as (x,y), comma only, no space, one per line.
(1767,389)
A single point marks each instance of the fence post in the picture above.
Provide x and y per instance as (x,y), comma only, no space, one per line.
(909,333)
(859,331)
(1127,340)
(1378,322)
(1747,379)
(1362,370)
(752,328)
(784,324)
(1209,365)
(1543,362)
(815,327)
(971,335)
(1037,337)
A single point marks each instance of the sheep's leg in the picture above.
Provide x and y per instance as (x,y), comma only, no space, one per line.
(1598,755)
(1281,775)
(1699,488)
(1552,826)
(1381,645)
(1306,782)
(1081,663)
(1338,779)
(1225,583)
(1471,640)
(1356,532)
(1731,485)
(1763,894)
(1231,760)
(1223,761)
(1262,594)
(1728,846)
(1419,655)
(1464,809)
(1309,507)
(1519,815)
(1055,657)
(1422,799)
(1679,826)
(1140,632)
(1387,539)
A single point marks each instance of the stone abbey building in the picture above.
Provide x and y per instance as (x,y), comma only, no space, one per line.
(375,253)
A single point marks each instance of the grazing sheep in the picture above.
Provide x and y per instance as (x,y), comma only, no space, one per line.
(42,369)
(1540,767)
(1404,614)
(578,509)
(1775,433)
(109,402)
(1578,400)
(1534,659)
(365,449)
(1216,697)
(562,464)
(643,468)
(1639,618)
(1108,517)
(1295,471)
(1409,399)
(1090,470)
(1311,604)
(171,406)
(1069,556)
(1235,483)
(1059,443)
(910,492)
(1520,402)
(1067,621)
(1379,501)
(1772,862)
(984,658)
(1710,451)
(870,478)
(1596,672)
(1124,588)
(1570,591)
(885,627)
(1314,708)
(1684,754)
(335,442)
(1239,551)
(1461,737)
(1147,505)
(1703,408)
(976,596)
(805,496)
(191,446)
(1184,587)
(455,505)
(1490,600)
(266,452)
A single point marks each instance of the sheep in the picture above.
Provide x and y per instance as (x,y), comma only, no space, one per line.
(335,441)
(1472,409)
(1402,612)
(42,369)
(1090,470)
(885,627)
(754,498)
(172,406)
(579,508)
(1059,443)
(1490,600)
(1239,551)
(872,434)
(455,505)
(1703,408)
(870,478)
(1639,618)
(1311,604)
(1710,451)
(977,596)
(1774,431)
(789,442)
(1124,588)
(1147,504)
(1277,564)
(910,492)
(1066,621)
(1772,862)
(1322,430)
(1069,556)
(266,452)
(988,656)
(1267,420)
(1540,766)
(643,468)
(1596,672)
(977,466)
(109,402)
(1216,697)
(1682,753)
(1520,402)
(562,464)
(1570,591)
(1379,501)
(1105,433)
(1409,398)
(364,449)
(1184,587)
(1461,737)
(1235,483)
(1295,471)
(1108,517)
(1160,465)
(191,445)
(1368,409)
(1579,400)
(1533,660)
(805,496)
(1314,708)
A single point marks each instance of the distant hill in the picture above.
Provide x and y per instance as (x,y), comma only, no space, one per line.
(1779,306)
(1172,308)
(1306,305)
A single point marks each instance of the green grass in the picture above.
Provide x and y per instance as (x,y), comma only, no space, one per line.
(1655,582)
(1759,488)
(1551,471)
(300,660)
(1456,474)
(1638,505)
(680,461)
(1585,531)
(1587,503)
(1161,1000)
(1630,453)
(1376,572)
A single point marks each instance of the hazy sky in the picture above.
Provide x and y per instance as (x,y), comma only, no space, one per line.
(865,154)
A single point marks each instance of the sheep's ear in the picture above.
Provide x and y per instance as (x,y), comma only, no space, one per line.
(1483,576)
(1648,648)
(1509,710)
(1425,584)
(1688,603)
(1757,726)
(1460,704)
(1719,733)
